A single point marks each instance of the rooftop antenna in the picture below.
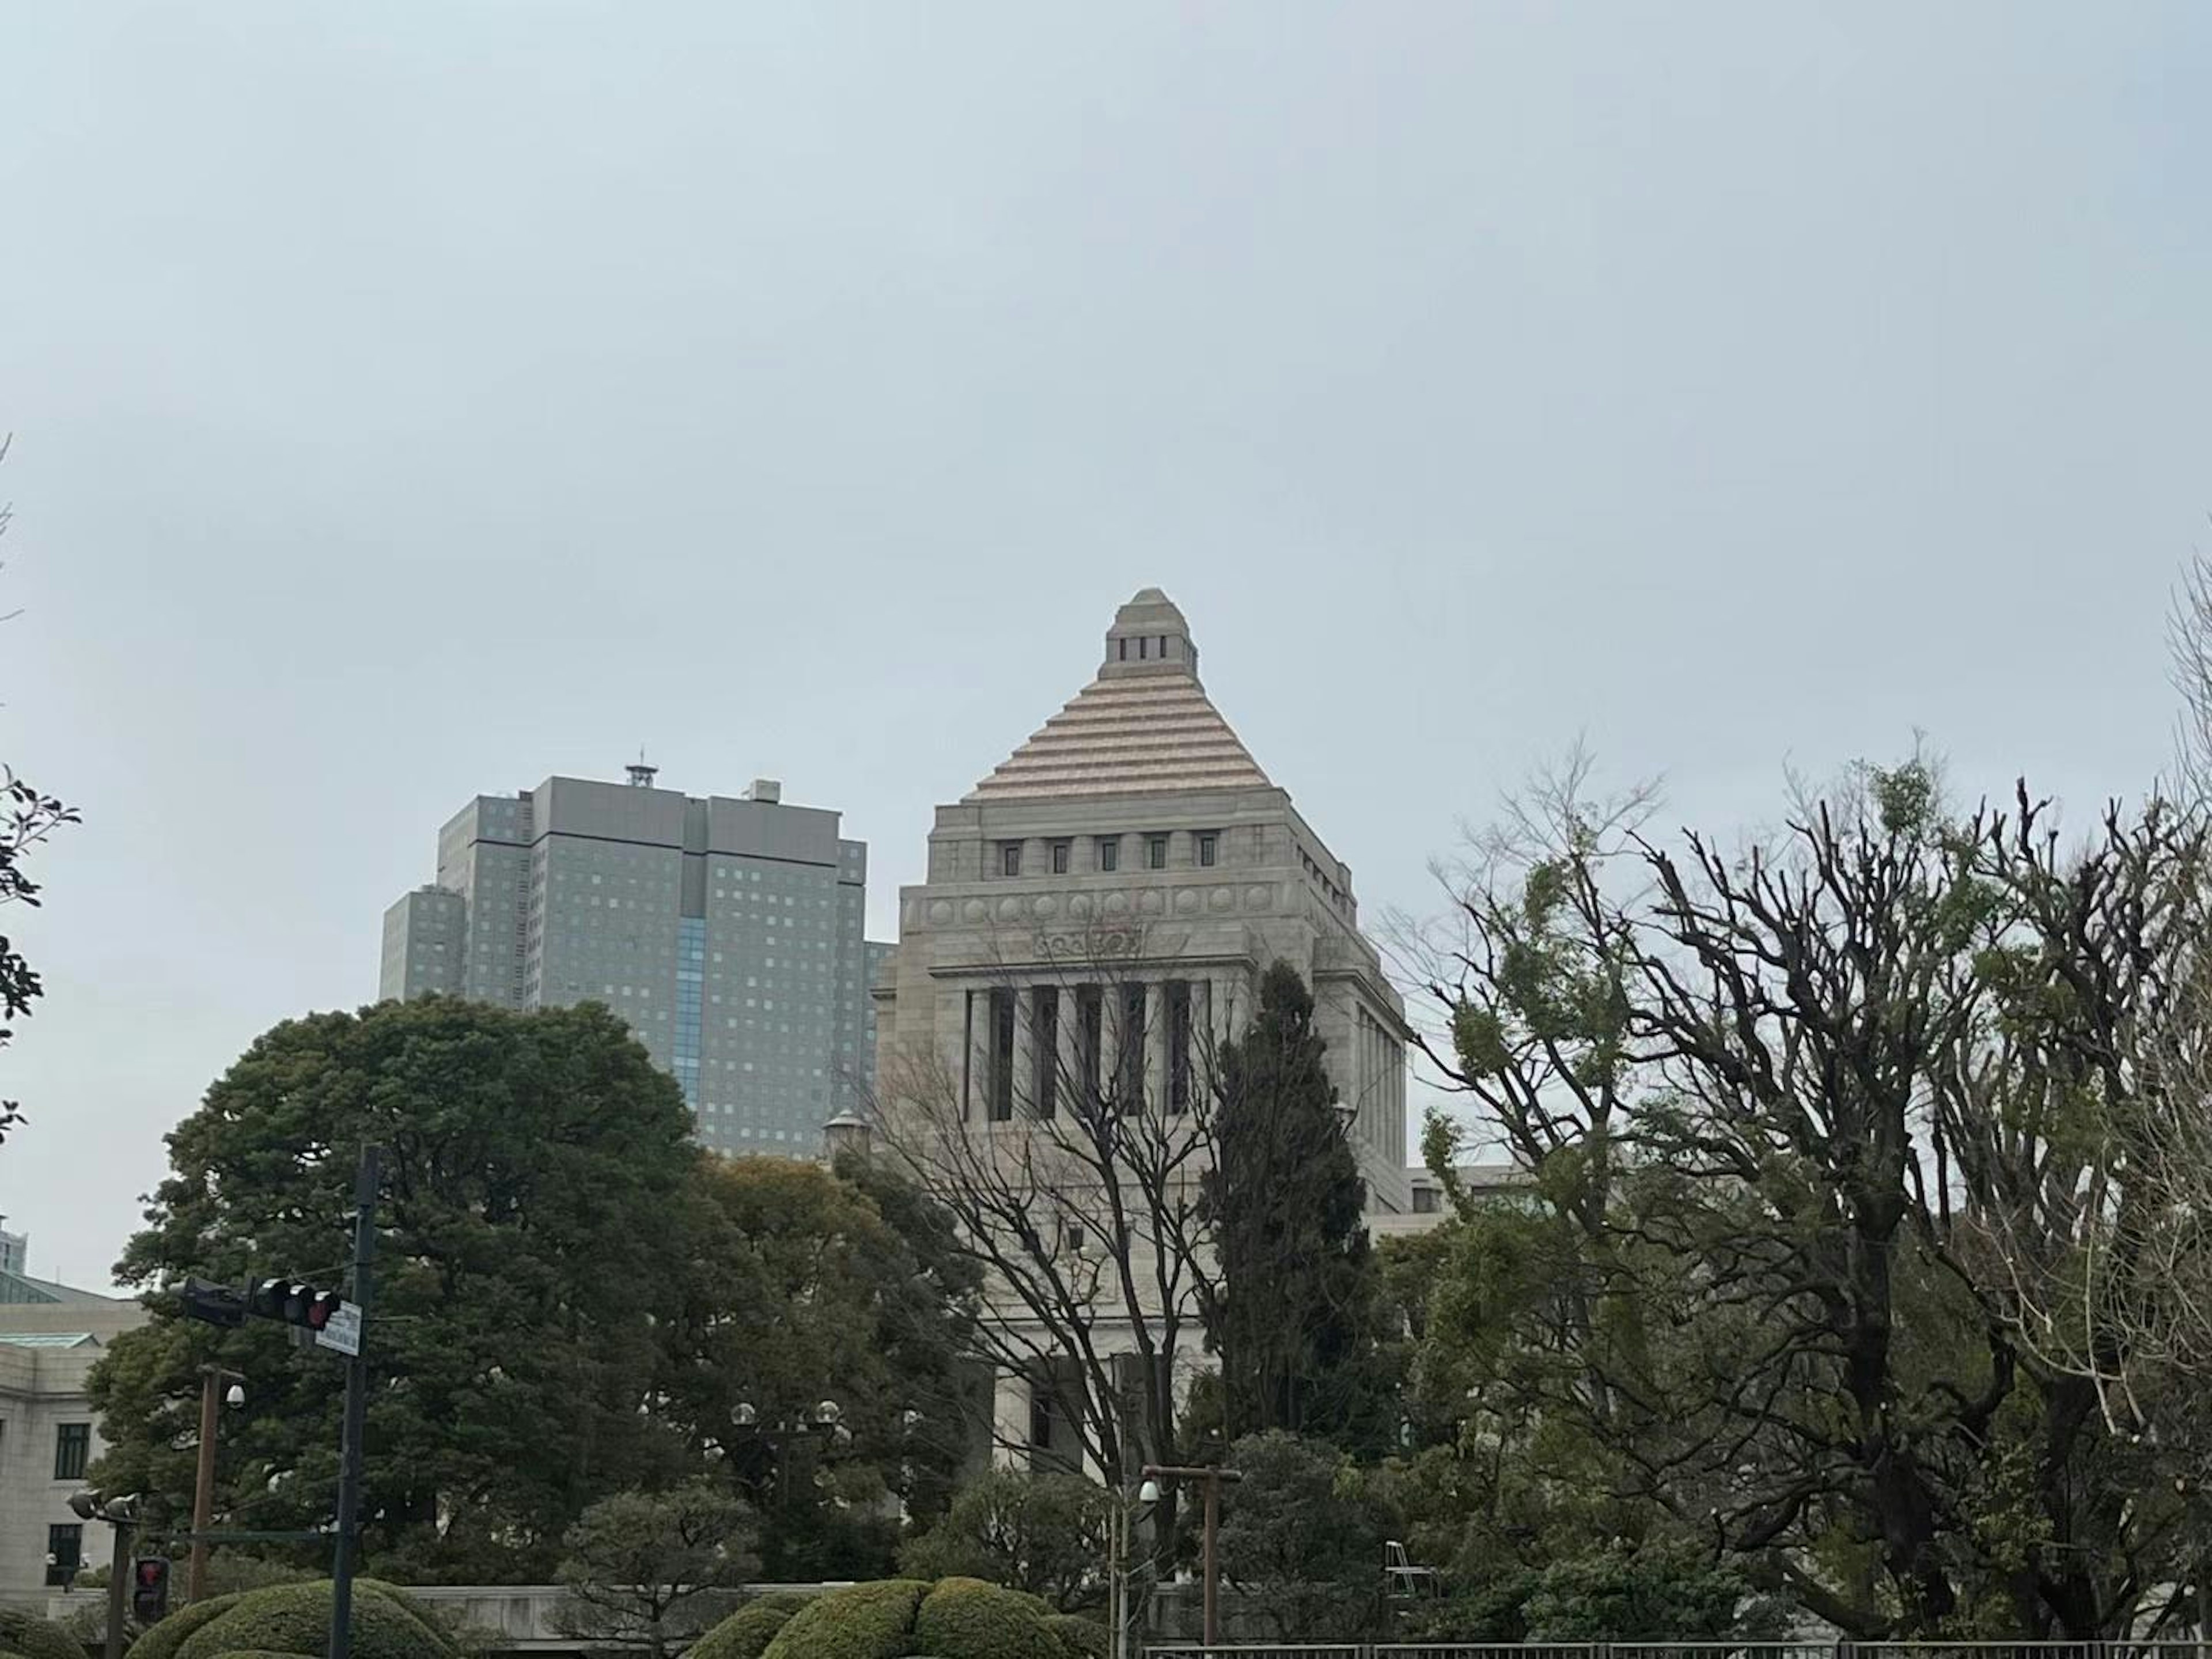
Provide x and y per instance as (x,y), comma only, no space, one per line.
(641,775)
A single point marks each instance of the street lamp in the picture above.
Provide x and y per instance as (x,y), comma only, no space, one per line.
(1210,1478)
(1118,1570)
(822,1421)
(120,1512)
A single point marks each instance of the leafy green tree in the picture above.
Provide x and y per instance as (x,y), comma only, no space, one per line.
(27,817)
(1049,1535)
(528,1261)
(799,1292)
(652,1571)
(1808,1125)
(1291,1313)
(1304,1539)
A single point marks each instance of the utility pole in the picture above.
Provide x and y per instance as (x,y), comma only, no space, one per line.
(356,1407)
(1212,1477)
(212,1377)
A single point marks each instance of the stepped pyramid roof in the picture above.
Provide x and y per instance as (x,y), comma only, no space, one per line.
(1145,726)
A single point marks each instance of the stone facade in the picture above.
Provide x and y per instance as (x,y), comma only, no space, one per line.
(1110,896)
(50,1337)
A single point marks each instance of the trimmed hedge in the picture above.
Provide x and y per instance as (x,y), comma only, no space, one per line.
(868,1621)
(34,1636)
(295,1618)
(1079,1637)
(163,1640)
(747,1633)
(968,1618)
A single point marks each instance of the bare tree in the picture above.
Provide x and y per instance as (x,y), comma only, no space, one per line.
(1072,1169)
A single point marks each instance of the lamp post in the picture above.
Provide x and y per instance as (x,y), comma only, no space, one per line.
(121,1514)
(1210,1478)
(825,1420)
(1119,1573)
(212,1378)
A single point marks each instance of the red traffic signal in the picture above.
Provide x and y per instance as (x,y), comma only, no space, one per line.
(294,1302)
(149,1589)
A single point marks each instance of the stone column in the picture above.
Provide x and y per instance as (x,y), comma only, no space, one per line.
(1156,1045)
(1068,1086)
(1009,1420)
(1024,1089)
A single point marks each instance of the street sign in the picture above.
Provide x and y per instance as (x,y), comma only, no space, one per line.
(343,1331)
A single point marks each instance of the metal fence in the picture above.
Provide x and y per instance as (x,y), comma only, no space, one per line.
(2113,1649)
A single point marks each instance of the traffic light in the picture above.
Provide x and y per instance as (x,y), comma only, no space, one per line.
(217,1304)
(149,1589)
(295,1303)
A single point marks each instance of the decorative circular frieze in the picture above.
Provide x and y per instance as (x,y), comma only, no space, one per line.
(1010,908)
(940,912)
(1221,898)
(1150,902)
(1080,905)
(1117,904)
(1047,906)
(1187,901)
(1255,898)
(975,910)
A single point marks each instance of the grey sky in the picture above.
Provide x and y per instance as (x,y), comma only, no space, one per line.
(418,400)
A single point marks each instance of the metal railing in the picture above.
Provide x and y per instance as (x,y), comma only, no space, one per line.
(2123,1649)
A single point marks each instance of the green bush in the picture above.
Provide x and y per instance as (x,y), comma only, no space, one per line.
(295,1618)
(163,1640)
(868,1621)
(34,1636)
(747,1633)
(1079,1637)
(968,1618)
(255,1653)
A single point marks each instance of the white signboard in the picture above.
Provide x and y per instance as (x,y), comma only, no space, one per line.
(343,1332)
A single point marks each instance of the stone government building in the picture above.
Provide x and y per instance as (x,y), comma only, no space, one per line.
(1111,895)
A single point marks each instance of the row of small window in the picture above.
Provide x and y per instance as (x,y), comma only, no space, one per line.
(1341,900)
(1106,853)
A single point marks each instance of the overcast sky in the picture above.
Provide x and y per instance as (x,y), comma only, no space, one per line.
(416,400)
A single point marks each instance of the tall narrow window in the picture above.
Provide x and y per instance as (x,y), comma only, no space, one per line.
(1044,1038)
(1143,646)
(1209,847)
(1002,1055)
(1129,1060)
(1123,655)
(1109,852)
(64,1552)
(1178,1001)
(1059,856)
(1010,858)
(1156,852)
(72,1446)
(1089,1041)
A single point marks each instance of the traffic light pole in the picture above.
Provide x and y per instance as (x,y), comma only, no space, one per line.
(356,1406)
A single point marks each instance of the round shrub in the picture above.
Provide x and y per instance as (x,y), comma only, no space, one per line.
(1080,1638)
(868,1621)
(295,1618)
(968,1618)
(163,1640)
(747,1633)
(34,1636)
